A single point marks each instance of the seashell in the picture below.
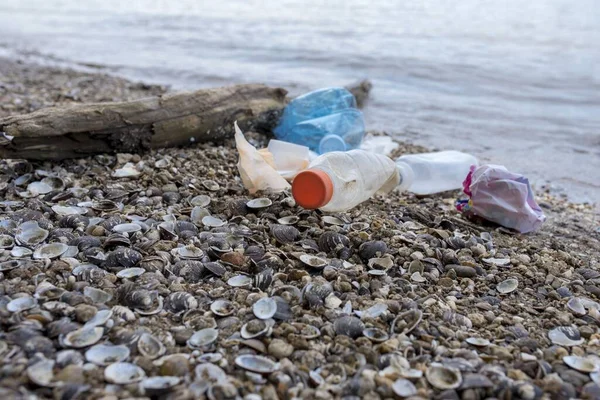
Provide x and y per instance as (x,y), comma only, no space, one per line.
(162,163)
(417,277)
(167,231)
(258,364)
(68,211)
(189,252)
(200,201)
(372,249)
(47,291)
(106,206)
(407,321)
(71,252)
(122,373)
(19,252)
(284,311)
(106,354)
(37,188)
(316,263)
(404,388)
(315,293)
(98,296)
(474,381)
(127,171)
(377,272)
(6,242)
(595,376)
(381,263)
(149,346)
(374,311)
(99,319)
(41,373)
(332,301)
(69,357)
(178,302)
(190,271)
(507,286)
(203,338)
(257,328)
(576,306)
(497,262)
(127,228)
(198,213)
(349,326)
(55,183)
(130,272)
(83,337)
(478,342)
(582,364)
(215,268)
(122,257)
(309,332)
(158,385)
(241,281)
(375,335)
(565,336)
(284,234)
(233,258)
(129,295)
(331,220)
(359,226)
(52,250)
(457,319)
(21,304)
(257,204)
(123,313)
(210,373)
(264,308)
(211,185)
(332,242)
(212,222)
(85,242)
(222,308)
(290,220)
(30,234)
(11,264)
(263,279)
(443,378)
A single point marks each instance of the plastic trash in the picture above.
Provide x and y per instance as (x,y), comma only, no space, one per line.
(379,144)
(289,158)
(503,197)
(324,120)
(338,181)
(429,173)
(257,168)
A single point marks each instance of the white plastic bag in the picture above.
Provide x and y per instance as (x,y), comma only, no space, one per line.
(503,197)
(256,173)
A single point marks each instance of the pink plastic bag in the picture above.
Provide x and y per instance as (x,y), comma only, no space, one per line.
(501,196)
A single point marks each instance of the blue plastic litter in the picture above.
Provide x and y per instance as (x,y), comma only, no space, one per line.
(324,120)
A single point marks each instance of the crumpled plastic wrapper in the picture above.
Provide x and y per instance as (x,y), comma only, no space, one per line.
(257,168)
(503,197)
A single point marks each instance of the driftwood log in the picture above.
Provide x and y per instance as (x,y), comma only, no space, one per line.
(81,130)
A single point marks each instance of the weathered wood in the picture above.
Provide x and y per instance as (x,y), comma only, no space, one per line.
(135,126)
(176,119)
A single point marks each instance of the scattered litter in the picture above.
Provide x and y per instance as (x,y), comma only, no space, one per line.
(256,173)
(502,197)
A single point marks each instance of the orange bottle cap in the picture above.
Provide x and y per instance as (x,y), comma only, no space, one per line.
(312,188)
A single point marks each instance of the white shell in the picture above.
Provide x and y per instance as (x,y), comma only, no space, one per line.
(383,263)
(41,373)
(507,286)
(222,308)
(37,188)
(240,281)
(479,342)
(258,364)
(200,201)
(404,388)
(130,272)
(417,277)
(149,346)
(71,252)
(313,262)
(376,335)
(21,304)
(212,222)
(443,378)
(99,319)
(159,383)
(257,204)
(98,296)
(30,234)
(582,364)
(51,250)
(267,326)
(6,242)
(123,373)
(203,337)
(127,228)
(264,308)
(83,337)
(198,213)
(576,306)
(19,251)
(69,210)
(498,262)
(330,220)
(565,336)
(189,252)
(290,220)
(127,171)
(106,354)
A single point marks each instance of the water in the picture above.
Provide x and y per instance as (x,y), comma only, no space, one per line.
(514,82)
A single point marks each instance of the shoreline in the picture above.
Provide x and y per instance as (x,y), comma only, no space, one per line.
(455,291)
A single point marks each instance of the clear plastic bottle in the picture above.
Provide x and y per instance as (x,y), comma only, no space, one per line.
(324,120)
(430,173)
(338,181)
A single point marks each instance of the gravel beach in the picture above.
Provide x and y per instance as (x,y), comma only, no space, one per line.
(157,276)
